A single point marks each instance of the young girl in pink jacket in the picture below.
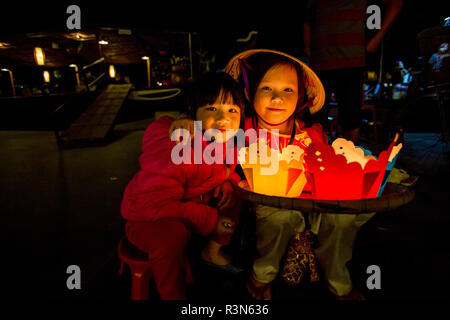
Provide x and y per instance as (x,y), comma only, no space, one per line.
(167,200)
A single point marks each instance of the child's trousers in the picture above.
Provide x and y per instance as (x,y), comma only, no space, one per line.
(336,234)
(166,242)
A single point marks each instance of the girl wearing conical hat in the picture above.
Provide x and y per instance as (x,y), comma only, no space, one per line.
(282,92)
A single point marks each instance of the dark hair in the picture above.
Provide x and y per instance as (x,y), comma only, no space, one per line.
(257,65)
(207,89)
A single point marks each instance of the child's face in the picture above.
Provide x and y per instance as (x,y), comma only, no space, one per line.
(225,117)
(277,94)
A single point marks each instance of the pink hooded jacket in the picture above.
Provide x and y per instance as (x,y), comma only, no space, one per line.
(162,189)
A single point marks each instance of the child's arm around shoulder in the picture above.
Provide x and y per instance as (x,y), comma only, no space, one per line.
(184,121)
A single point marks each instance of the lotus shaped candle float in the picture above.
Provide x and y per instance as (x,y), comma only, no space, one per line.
(342,171)
(271,172)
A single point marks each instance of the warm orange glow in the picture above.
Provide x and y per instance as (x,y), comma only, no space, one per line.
(39,56)
(5,45)
(112,71)
(343,171)
(78,36)
(273,173)
(46,76)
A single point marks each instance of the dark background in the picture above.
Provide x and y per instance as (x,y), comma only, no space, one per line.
(219,23)
(62,207)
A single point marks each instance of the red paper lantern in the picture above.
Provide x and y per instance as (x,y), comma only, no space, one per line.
(333,176)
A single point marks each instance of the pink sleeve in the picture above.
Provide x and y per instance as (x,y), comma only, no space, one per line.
(150,197)
(234,178)
(157,191)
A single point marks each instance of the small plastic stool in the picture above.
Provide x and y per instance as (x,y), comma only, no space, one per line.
(140,268)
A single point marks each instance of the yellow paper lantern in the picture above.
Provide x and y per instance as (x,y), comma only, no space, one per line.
(273,173)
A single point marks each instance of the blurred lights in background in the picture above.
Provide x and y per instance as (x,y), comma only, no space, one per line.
(76,73)
(112,71)
(371,75)
(46,76)
(5,45)
(147,60)
(11,77)
(39,56)
(78,36)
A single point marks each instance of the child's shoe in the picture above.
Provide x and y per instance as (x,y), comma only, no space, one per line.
(259,290)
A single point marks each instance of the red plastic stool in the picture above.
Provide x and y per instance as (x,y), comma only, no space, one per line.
(140,267)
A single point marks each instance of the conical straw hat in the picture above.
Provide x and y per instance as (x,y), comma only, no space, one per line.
(314,87)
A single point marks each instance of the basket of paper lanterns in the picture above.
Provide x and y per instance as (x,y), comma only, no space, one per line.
(271,172)
(343,171)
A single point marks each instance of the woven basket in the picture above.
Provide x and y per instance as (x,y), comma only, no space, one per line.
(394,196)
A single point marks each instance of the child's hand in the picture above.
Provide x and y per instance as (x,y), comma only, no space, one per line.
(244,184)
(225,190)
(187,124)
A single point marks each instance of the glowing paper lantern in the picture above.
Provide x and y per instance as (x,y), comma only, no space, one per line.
(39,56)
(273,173)
(345,172)
(392,159)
